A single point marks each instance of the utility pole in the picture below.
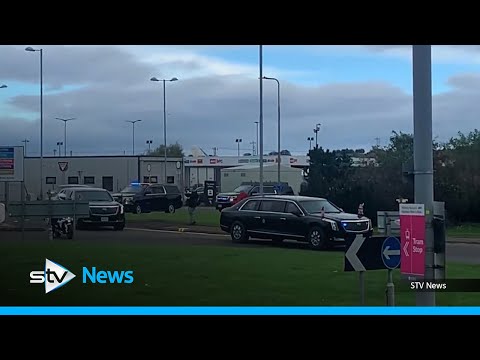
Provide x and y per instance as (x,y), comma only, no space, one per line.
(377,141)
(423,155)
(253,147)
(65,133)
(215,151)
(54,152)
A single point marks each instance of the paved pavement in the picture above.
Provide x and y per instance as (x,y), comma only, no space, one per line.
(458,252)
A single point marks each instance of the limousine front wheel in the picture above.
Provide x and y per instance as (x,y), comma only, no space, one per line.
(238,232)
(317,239)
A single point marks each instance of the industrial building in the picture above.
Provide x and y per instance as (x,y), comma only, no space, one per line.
(115,172)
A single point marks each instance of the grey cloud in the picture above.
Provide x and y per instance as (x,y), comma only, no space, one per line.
(211,111)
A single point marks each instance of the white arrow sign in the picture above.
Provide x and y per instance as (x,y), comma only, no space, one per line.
(351,253)
(387,252)
(405,249)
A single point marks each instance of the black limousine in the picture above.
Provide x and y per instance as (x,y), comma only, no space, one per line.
(316,221)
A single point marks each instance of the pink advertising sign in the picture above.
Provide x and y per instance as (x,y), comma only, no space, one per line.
(412,230)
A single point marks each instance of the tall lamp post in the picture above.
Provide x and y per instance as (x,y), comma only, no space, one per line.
(238,141)
(30,49)
(133,122)
(256,123)
(310,139)
(164,121)
(316,130)
(25,141)
(278,134)
(149,143)
(65,134)
(59,143)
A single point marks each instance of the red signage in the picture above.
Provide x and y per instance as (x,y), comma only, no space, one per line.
(412,230)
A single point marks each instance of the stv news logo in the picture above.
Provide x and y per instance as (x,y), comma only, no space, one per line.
(55,276)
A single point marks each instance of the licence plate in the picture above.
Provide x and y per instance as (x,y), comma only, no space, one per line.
(219,206)
(104,219)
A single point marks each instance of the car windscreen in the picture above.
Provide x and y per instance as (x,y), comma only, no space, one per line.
(316,206)
(243,188)
(93,196)
(132,189)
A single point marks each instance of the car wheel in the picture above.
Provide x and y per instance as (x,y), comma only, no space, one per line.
(138,209)
(119,227)
(277,239)
(170,209)
(238,232)
(317,240)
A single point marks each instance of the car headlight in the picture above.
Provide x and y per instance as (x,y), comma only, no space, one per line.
(332,223)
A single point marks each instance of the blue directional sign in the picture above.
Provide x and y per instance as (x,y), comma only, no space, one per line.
(391,252)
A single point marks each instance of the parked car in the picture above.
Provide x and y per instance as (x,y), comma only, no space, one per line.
(62,188)
(104,210)
(156,197)
(225,200)
(125,196)
(316,221)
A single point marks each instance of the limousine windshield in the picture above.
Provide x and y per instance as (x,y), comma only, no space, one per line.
(315,206)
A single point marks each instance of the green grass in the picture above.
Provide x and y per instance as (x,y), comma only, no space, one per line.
(203,216)
(469,230)
(201,275)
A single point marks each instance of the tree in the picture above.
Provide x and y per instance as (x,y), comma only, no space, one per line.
(173,150)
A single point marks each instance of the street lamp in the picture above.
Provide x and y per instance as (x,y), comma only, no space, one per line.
(25,141)
(278,110)
(59,143)
(256,122)
(133,134)
(316,130)
(3,86)
(238,141)
(164,120)
(65,133)
(149,142)
(30,49)
(310,139)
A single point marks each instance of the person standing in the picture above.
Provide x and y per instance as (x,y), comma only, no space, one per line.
(192,203)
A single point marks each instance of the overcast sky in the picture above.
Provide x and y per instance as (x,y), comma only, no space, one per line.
(357,93)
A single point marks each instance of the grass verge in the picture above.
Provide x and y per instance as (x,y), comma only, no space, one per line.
(201,275)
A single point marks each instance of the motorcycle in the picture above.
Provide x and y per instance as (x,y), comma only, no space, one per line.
(62,227)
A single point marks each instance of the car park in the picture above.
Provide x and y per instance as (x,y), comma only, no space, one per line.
(156,197)
(104,210)
(316,221)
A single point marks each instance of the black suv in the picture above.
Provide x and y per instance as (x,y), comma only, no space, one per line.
(307,219)
(125,196)
(156,197)
(104,210)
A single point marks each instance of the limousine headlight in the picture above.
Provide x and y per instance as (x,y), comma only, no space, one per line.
(332,223)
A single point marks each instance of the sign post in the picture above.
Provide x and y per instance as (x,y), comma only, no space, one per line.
(373,253)
(391,260)
(412,230)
